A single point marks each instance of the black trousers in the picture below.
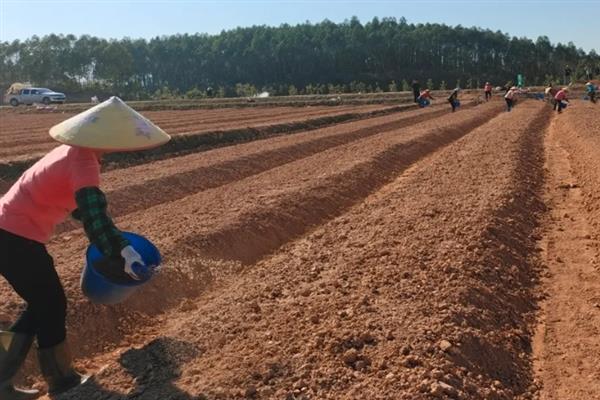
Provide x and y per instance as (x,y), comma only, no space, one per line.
(488,95)
(29,269)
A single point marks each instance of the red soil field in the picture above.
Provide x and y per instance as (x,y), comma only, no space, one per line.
(406,256)
(24,135)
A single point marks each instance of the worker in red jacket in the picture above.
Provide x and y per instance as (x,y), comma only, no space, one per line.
(424,98)
(561,99)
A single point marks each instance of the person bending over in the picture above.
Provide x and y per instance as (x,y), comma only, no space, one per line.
(64,181)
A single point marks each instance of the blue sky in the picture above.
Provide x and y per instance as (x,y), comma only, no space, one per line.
(561,20)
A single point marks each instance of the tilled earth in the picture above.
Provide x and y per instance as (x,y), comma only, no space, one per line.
(24,135)
(567,341)
(395,257)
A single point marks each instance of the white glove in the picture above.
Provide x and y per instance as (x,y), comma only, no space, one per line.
(131,257)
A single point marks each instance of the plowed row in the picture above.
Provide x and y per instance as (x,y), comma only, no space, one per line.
(567,343)
(384,258)
(580,135)
(201,171)
(244,196)
(27,134)
(15,126)
(185,208)
(360,308)
(357,308)
(279,101)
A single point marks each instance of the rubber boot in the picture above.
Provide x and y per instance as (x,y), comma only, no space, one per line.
(13,351)
(55,364)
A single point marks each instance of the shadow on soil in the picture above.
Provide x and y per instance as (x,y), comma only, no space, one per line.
(154,369)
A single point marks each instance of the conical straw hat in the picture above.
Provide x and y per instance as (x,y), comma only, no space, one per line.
(110,126)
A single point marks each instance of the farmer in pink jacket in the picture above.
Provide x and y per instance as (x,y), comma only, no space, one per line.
(561,99)
(64,181)
(511,97)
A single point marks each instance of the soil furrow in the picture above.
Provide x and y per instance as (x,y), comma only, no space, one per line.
(258,206)
(214,209)
(566,348)
(127,199)
(179,122)
(253,236)
(114,180)
(203,140)
(378,302)
(19,127)
(185,126)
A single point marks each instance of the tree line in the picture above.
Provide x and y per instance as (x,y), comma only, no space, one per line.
(380,55)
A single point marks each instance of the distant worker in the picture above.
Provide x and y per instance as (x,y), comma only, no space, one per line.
(549,94)
(488,91)
(510,97)
(590,89)
(588,72)
(424,98)
(209,92)
(567,74)
(453,99)
(416,90)
(66,180)
(561,99)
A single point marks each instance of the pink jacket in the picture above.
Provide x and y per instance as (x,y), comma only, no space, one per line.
(45,194)
(561,95)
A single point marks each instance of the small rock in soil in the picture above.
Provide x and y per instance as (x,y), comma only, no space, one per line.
(445,345)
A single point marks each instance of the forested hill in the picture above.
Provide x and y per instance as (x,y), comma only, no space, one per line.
(323,57)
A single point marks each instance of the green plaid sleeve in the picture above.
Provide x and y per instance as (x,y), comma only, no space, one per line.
(98,226)
(76,214)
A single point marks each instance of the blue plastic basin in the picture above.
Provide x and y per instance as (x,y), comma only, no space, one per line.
(424,102)
(102,291)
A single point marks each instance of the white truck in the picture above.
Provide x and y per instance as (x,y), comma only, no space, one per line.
(20,94)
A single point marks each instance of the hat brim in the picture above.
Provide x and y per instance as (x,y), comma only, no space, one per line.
(110,149)
(111,126)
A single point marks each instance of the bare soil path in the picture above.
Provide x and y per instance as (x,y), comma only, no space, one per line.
(567,342)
